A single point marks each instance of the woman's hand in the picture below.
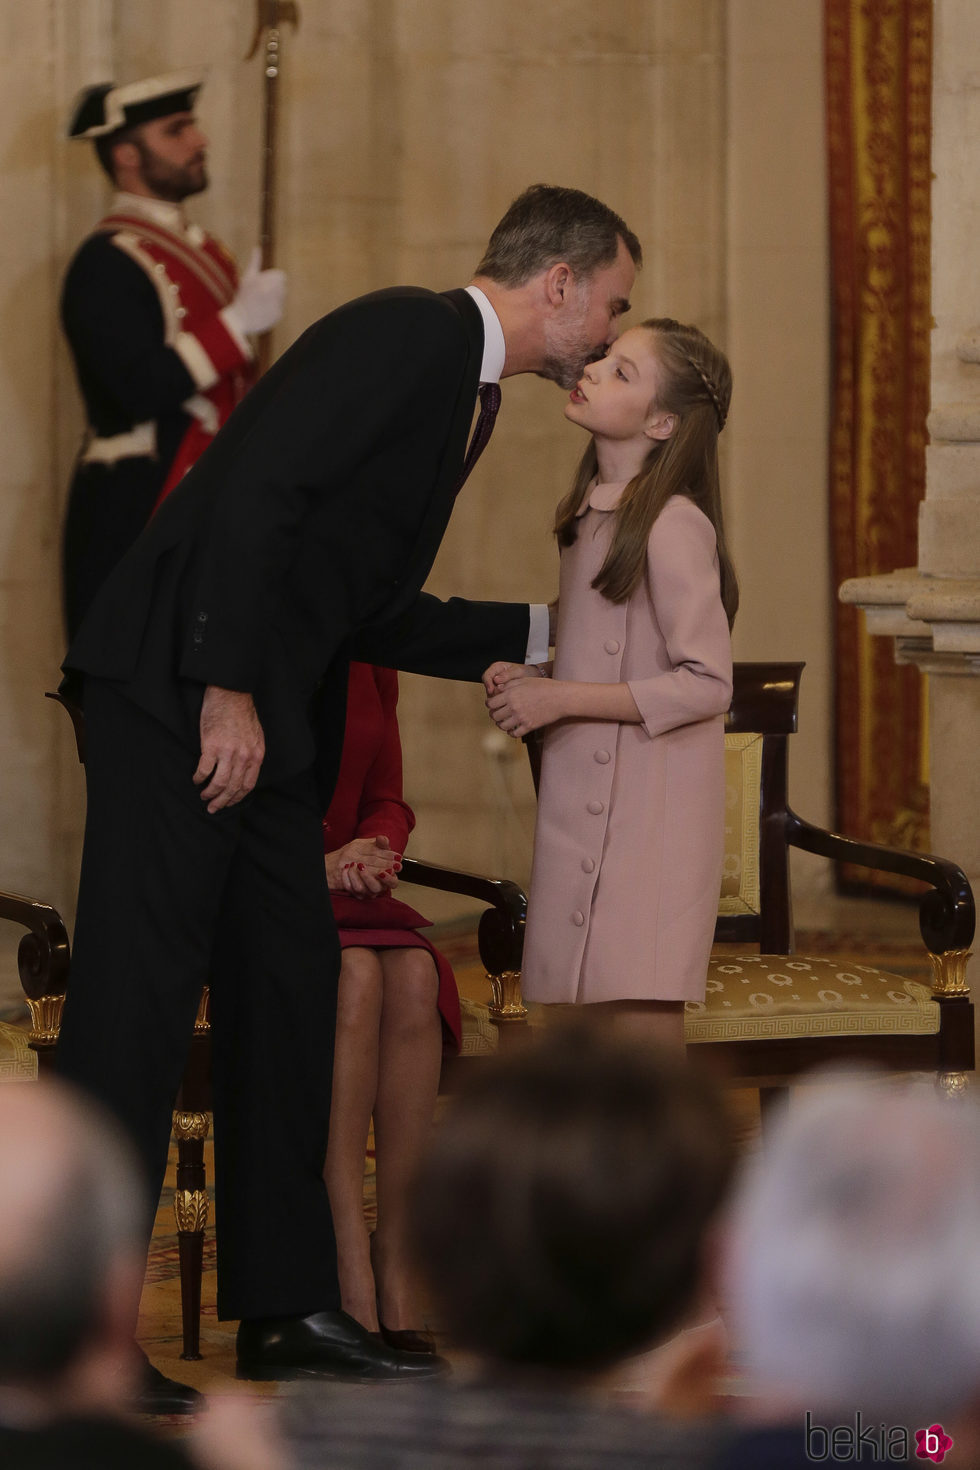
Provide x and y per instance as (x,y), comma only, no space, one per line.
(524,704)
(500,674)
(363,868)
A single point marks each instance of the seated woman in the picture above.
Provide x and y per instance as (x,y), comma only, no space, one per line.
(397,1005)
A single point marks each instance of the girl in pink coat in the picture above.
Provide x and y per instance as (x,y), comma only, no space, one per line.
(629,839)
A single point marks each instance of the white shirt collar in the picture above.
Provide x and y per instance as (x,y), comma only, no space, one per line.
(157,211)
(494,346)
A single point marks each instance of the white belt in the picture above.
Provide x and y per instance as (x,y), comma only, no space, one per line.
(140,442)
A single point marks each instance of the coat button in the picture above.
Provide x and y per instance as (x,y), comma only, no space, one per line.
(578,918)
(595,807)
(603,757)
(611,646)
(588,865)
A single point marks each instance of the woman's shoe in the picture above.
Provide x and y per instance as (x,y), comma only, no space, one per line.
(407,1340)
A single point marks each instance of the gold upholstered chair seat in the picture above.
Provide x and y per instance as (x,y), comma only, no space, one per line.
(759,997)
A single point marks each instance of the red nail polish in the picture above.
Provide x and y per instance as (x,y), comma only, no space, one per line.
(360,867)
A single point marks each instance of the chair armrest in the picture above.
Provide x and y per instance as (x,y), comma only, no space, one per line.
(501,932)
(43,955)
(947,917)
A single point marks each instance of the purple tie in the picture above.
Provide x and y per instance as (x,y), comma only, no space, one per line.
(489,404)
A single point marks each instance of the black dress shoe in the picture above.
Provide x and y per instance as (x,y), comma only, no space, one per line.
(325,1345)
(407,1339)
(160,1395)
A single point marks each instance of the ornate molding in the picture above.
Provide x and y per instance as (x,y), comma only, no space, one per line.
(191,1208)
(506,1003)
(953,1085)
(202,1021)
(189,1126)
(45,1019)
(949,972)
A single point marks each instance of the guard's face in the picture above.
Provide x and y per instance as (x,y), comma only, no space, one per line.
(589,320)
(173,156)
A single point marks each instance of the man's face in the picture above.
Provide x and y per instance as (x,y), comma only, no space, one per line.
(173,156)
(588,321)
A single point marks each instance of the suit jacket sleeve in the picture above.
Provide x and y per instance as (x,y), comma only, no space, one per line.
(682,568)
(371,372)
(457,639)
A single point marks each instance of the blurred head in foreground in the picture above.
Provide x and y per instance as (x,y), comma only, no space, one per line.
(854,1264)
(72,1252)
(561,1214)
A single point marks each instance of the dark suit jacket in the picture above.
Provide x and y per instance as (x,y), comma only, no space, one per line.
(303,535)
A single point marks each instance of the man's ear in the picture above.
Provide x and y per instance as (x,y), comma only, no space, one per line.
(557,282)
(660,425)
(126,154)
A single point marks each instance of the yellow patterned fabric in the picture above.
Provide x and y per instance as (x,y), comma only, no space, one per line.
(743,780)
(16,1057)
(479,1035)
(758,997)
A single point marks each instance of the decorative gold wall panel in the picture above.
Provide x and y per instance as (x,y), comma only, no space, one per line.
(879,95)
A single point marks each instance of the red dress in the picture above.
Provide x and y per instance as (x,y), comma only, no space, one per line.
(368,802)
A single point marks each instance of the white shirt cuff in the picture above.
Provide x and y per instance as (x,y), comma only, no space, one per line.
(538,646)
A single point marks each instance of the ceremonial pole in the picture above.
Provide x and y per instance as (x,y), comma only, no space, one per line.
(271,15)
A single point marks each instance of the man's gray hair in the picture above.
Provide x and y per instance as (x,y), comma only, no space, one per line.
(547,225)
(72,1209)
(854,1269)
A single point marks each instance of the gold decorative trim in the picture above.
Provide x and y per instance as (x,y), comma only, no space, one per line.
(202,1021)
(45,1019)
(953,1085)
(506,1003)
(191,1210)
(189,1126)
(949,972)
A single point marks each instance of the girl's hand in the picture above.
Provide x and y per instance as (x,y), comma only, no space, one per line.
(525,704)
(500,674)
(363,868)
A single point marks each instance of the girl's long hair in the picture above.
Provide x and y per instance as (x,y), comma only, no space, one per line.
(697,389)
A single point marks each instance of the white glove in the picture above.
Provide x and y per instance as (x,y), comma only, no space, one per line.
(260,300)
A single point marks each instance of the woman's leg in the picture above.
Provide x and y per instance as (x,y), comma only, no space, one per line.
(355,1085)
(660,1020)
(408,1082)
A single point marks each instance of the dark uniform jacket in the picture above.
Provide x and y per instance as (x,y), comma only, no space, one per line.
(159,370)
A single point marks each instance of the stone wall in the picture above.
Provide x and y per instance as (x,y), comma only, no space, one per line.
(406,129)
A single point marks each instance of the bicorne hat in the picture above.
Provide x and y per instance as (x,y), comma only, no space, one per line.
(106,108)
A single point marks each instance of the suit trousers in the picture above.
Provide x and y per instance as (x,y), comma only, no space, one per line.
(170,899)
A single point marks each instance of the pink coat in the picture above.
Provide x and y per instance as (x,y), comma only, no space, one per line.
(629,839)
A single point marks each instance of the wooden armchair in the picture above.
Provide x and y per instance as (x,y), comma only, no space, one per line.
(44,967)
(772,1014)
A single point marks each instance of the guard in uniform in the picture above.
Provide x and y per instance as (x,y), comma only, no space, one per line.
(158,321)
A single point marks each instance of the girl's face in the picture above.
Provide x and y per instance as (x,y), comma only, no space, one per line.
(616,397)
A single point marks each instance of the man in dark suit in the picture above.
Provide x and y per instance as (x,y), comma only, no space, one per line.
(215,662)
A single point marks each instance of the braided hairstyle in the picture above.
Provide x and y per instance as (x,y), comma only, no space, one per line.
(696,388)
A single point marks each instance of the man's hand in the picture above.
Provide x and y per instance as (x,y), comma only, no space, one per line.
(523,705)
(232,747)
(363,868)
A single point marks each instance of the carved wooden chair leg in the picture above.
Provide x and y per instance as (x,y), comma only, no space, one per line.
(506,1004)
(191,1210)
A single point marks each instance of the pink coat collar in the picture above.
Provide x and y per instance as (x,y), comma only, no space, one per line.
(603,497)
